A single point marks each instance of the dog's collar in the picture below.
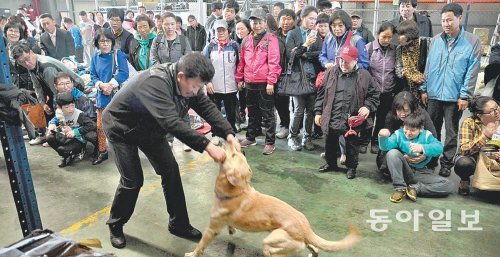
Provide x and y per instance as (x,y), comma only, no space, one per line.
(226,197)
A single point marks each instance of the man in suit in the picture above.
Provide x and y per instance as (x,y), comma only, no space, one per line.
(56,43)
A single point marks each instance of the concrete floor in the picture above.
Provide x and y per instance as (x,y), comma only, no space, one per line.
(75,201)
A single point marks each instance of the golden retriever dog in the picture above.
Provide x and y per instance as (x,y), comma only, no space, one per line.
(239,206)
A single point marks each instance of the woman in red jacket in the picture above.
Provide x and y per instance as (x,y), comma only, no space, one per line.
(258,70)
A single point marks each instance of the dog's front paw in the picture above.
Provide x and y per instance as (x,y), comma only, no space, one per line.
(191,254)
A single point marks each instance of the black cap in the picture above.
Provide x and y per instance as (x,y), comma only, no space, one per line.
(64,99)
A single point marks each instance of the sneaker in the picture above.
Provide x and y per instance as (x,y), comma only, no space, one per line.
(374,148)
(45,144)
(398,195)
(283,133)
(363,149)
(308,145)
(215,140)
(186,148)
(294,144)
(82,153)
(463,188)
(411,193)
(342,159)
(269,149)
(26,137)
(444,172)
(316,135)
(37,141)
(246,142)
(351,173)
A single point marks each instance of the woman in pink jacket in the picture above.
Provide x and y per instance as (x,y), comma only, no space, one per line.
(258,70)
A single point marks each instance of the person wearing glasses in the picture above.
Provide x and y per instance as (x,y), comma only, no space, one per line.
(43,71)
(475,132)
(123,38)
(108,70)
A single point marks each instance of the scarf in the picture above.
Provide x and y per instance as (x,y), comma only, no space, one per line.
(144,51)
(222,44)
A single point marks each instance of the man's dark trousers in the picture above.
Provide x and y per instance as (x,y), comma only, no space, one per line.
(162,159)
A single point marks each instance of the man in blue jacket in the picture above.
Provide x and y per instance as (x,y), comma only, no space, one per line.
(451,74)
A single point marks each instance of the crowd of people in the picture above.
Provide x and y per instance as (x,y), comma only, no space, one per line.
(391,90)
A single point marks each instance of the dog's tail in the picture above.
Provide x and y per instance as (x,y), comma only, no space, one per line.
(346,243)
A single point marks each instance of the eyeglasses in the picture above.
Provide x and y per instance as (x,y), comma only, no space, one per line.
(25,60)
(65,83)
(105,41)
(493,110)
(13,31)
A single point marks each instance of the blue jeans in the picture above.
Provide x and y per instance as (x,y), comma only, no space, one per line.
(303,106)
(423,180)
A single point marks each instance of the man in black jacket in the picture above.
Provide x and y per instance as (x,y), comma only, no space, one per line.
(140,115)
(56,43)
(196,34)
(407,12)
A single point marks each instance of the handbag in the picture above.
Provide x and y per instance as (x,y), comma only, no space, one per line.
(295,83)
(487,174)
(36,114)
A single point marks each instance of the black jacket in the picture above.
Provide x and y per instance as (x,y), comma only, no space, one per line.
(309,55)
(424,26)
(125,40)
(133,55)
(392,123)
(197,37)
(151,105)
(366,33)
(65,44)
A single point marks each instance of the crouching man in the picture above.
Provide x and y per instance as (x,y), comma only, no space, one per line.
(69,129)
(140,116)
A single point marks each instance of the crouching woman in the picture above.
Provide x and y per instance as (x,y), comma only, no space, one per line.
(475,131)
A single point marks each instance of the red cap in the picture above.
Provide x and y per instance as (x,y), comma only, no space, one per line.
(349,53)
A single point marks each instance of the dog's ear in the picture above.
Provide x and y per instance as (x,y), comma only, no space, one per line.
(234,177)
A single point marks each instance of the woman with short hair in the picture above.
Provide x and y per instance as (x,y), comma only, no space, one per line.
(108,70)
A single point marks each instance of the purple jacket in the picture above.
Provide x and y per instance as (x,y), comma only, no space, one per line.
(382,66)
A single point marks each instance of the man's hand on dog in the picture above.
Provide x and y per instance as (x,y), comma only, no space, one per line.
(217,153)
(234,142)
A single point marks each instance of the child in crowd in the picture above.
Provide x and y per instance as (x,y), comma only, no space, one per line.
(68,129)
(410,149)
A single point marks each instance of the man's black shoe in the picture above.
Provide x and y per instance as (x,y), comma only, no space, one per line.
(187,232)
(351,173)
(116,236)
(374,148)
(327,167)
(363,149)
